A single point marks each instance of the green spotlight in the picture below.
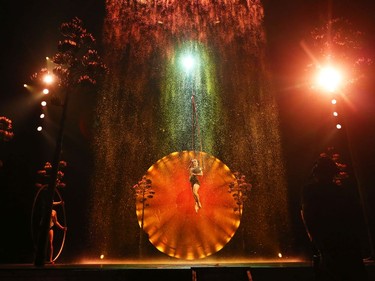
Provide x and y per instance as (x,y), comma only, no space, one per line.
(188,62)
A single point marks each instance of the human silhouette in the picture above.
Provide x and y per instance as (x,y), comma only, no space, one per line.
(53,222)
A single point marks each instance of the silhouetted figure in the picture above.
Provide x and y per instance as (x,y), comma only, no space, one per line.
(54,221)
(328,213)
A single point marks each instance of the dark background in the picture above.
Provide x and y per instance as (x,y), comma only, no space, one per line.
(29,31)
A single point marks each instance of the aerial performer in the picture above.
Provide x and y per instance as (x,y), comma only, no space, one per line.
(195,171)
(54,221)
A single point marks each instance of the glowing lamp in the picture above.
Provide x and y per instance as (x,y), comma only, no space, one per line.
(188,62)
(329,79)
(48,79)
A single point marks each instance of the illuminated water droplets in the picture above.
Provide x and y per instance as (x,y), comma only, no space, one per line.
(145,114)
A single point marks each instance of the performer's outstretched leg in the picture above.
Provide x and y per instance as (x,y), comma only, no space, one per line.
(198,204)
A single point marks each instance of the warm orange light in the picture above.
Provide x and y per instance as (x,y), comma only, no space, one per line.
(48,78)
(45,91)
(338,126)
(329,79)
(335,114)
(170,221)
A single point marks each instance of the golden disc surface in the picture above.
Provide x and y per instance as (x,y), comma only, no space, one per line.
(169,218)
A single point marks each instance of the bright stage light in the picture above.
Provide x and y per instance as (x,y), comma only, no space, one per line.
(188,62)
(39,128)
(333,101)
(338,126)
(329,79)
(46,91)
(43,103)
(48,78)
(335,114)
(42,116)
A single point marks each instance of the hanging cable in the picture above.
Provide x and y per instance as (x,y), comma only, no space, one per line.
(196,129)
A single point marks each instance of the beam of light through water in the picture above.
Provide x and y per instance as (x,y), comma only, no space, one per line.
(178,89)
(144,113)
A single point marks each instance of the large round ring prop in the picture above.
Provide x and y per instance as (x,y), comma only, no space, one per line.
(36,215)
(170,220)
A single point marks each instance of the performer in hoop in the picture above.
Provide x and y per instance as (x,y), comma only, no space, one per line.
(195,170)
(54,221)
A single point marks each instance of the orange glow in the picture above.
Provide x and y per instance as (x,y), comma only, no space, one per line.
(48,79)
(170,220)
(329,79)
(167,263)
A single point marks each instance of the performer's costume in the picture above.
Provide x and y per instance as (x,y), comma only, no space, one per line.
(193,178)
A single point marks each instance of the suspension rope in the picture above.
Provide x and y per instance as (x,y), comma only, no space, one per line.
(196,129)
(193,121)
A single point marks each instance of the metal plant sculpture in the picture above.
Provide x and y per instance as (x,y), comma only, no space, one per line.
(77,64)
(240,190)
(40,204)
(338,42)
(143,192)
(6,132)
(342,168)
(6,129)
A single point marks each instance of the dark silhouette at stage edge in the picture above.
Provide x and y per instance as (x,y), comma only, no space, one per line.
(328,212)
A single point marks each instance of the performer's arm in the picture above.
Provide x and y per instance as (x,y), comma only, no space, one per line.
(54,218)
(59,225)
(58,203)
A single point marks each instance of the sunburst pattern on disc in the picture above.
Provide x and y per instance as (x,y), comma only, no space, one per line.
(170,220)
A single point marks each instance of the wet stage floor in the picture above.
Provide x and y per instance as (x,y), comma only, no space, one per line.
(231,270)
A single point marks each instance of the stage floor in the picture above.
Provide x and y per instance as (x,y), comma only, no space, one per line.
(246,270)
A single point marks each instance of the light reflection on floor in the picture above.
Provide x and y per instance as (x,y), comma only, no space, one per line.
(167,263)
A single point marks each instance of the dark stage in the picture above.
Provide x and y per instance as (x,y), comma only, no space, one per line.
(195,271)
(260,115)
